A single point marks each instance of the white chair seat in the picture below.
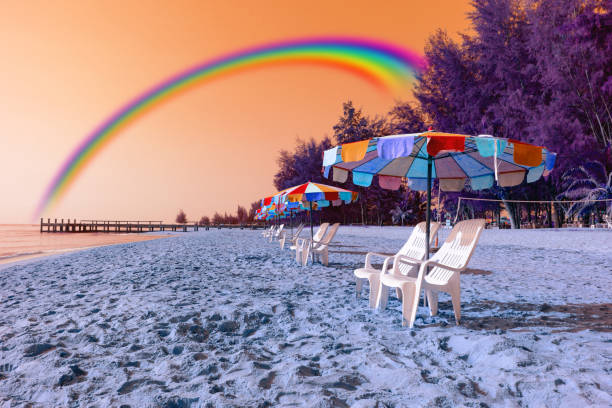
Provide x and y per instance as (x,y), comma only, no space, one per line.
(365,273)
(433,280)
(396,280)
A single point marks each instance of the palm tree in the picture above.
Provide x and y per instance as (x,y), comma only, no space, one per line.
(399,216)
(587,183)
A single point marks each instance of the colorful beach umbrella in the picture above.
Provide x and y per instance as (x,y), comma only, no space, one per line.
(281,207)
(313,195)
(269,212)
(454,159)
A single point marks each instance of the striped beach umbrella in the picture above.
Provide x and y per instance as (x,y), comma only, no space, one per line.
(454,159)
(311,196)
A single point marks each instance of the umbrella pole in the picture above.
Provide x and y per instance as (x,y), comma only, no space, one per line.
(428,215)
(311,234)
(428,212)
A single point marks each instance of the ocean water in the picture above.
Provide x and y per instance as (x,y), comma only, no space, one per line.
(18,240)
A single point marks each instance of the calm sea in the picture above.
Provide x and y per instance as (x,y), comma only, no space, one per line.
(18,240)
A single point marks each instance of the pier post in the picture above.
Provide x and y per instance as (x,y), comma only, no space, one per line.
(41,222)
(48,224)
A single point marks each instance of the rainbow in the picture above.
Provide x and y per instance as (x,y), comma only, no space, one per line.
(389,67)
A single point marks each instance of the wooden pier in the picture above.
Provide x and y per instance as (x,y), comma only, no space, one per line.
(128,226)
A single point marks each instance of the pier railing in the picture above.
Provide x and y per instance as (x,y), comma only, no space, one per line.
(116,226)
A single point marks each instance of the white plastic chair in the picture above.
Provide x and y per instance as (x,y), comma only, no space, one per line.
(266,233)
(276,234)
(319,248)
(448,263)
(414,248)
(292,238)
(301,242)
(608,220)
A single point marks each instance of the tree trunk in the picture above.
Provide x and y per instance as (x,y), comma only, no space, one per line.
(511,212)
(362,214)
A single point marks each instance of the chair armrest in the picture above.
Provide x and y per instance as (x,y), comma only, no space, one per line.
(315,243)
(409,260)
(428,263)
(388,260)
(369,255)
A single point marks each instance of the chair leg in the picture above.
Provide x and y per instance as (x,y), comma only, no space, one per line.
(305,253)
(432,299)
(325,257)
(383,295)
(282,243)
(410,303)
(398,292)
(455,292)
(358,286)
(298,252)
(374,288)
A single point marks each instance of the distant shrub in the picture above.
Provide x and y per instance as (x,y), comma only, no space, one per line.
(242,214)
(217,218)
(181,218)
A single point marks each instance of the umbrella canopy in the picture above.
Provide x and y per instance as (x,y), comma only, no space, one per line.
(454,159)
(270,211)
(457,159)
(321,194)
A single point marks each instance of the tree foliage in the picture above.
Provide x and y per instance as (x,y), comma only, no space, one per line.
(537,71)
(181,218)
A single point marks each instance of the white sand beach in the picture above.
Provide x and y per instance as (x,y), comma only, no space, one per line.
(222,318)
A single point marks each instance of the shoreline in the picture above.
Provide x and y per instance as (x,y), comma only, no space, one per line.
(18,258)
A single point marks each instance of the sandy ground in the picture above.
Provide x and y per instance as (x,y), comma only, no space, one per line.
(221,318)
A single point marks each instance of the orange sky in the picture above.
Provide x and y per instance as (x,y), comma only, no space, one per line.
(66,65)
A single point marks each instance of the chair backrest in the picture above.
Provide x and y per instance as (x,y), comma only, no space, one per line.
(298,230)
(457,249)
(330,234)
(415,246)
(321,231)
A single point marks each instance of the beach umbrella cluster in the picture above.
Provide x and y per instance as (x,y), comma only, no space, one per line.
(454,159)
(310,196)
